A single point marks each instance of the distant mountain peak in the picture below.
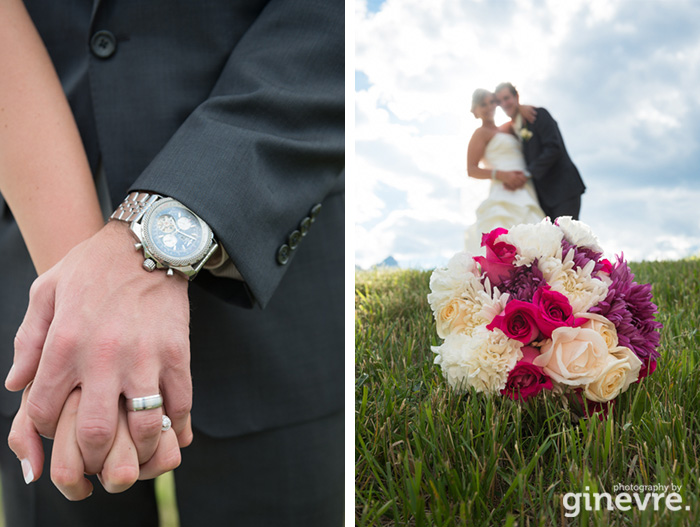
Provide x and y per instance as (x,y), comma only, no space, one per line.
(389,261)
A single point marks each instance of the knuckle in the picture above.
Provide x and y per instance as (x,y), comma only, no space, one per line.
(40,414)
(65,477)
(15,440)
(179,408)
(95,431)
(64,342)
(171,460)
(118,478)
(146,426)
(37,287)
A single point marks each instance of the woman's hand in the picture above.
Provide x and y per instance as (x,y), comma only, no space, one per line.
(528,112)
(121,468)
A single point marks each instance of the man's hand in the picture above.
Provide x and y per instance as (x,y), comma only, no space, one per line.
(99,321)
(121,468)
(512,180)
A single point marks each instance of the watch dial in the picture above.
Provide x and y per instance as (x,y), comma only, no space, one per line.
(176,232)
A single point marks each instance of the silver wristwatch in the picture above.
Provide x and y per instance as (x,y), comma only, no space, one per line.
(171,235)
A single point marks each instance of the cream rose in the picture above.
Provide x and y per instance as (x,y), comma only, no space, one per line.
(603,326)
(619,371)
(574,356)
(457,316)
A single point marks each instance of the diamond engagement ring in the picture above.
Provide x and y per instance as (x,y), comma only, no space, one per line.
(144,403)
(166,423)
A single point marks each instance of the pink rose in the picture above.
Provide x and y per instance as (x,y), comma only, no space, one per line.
(648,367)
(498,263)
(518,321)
(526,380)
(554,310)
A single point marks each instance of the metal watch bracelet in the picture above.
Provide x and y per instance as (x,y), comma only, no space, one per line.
(134,206)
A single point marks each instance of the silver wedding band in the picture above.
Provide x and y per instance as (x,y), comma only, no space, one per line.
(166,423)
(144,403)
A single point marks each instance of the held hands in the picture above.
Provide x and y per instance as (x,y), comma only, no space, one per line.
(98,322)
(513,179)
(121,468)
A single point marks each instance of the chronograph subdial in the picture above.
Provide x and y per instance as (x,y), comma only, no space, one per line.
(166,223)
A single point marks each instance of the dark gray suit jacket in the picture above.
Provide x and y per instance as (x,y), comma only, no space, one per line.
(555,176)
(237,110)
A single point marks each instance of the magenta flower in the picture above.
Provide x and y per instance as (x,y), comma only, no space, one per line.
(553,310)
(648,367)
(498,263)
(518,321)
(526,380)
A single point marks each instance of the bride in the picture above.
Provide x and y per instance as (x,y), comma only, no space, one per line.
(512,199)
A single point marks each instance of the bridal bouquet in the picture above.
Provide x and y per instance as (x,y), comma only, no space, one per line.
(543,311)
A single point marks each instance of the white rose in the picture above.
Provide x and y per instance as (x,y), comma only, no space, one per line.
(574,356)
(539,240)
(603,326)
(619,371)
(578,233)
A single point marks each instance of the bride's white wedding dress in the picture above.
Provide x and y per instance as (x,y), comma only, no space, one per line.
(503,207)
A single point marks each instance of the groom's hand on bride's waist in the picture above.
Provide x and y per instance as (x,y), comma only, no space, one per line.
(513,179)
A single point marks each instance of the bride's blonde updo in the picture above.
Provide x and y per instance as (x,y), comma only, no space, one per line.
(478,97)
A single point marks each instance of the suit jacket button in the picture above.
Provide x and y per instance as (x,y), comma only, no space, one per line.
(294,239)
(304,225)
(283,254)
(314,211)
(103,44)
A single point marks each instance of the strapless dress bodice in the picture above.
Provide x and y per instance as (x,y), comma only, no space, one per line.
(504,152)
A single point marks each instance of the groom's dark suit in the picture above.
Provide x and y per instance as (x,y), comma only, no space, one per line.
(556,178)
(237,110)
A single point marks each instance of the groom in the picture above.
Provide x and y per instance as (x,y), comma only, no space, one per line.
(556,178)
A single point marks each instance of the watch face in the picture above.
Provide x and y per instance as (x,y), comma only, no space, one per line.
(174,234)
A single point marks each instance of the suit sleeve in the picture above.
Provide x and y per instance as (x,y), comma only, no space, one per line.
(268,144)
(552,146)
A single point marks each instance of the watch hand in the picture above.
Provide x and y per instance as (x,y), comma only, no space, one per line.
(187,235)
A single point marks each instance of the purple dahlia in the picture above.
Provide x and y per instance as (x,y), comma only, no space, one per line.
(582,255)
(523,282)
(629,306)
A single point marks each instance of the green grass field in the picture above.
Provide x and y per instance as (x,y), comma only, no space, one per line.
(427,456)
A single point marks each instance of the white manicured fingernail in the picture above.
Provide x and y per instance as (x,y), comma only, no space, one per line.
(27,471)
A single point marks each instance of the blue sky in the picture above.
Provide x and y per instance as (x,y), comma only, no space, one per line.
(621,77)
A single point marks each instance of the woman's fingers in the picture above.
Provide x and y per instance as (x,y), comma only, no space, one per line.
(121,467)
(25,442)
(166,458)
(67,467)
